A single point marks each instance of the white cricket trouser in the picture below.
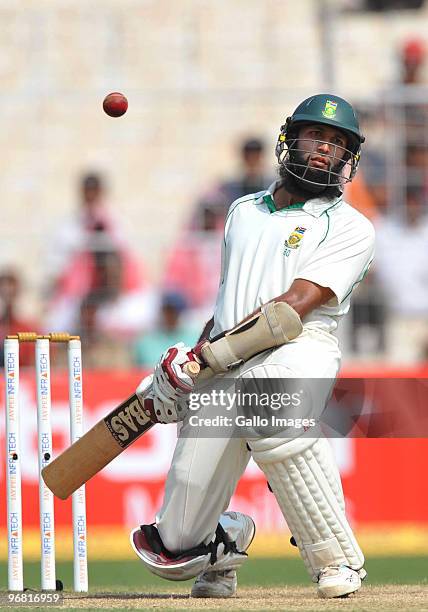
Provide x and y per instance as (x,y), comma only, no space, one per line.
(205,471)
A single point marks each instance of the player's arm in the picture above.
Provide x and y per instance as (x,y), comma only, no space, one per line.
(303,296)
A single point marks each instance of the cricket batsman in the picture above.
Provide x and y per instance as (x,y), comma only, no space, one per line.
(298,245)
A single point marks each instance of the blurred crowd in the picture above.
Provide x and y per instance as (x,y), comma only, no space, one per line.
(99,289)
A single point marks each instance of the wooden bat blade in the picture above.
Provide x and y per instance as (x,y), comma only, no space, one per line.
(97,447)
(105,441)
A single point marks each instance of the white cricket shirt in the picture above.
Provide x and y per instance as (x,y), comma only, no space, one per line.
(325,241)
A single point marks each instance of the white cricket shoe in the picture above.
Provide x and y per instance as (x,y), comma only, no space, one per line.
(223,583)
(339,581)
(215,584)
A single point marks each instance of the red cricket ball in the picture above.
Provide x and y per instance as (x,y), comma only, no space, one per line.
(115,104)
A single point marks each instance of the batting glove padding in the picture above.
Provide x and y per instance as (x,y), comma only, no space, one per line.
(170,382)
(164,411)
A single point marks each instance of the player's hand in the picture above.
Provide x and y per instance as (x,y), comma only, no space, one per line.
(170,379)
(164,412)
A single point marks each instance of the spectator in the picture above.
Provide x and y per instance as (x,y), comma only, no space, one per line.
(251,178)
(402,270)
(413,65)
(365,334)
(361,197)
(412,58)
(193,265)
(10,320)
(367,192)
(210,212)
(367,329)
(118,313)
(170,330)
(417,166)
(91,264)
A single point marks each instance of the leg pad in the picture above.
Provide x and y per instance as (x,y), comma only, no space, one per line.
(306,486)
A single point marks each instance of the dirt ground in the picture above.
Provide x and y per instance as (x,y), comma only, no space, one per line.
(370,599)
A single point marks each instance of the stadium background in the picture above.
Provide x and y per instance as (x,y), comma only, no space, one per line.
(200,78)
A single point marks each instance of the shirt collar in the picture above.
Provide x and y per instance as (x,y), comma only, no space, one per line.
(315,206)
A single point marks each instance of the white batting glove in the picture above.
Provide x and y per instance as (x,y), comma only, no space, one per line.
(170,381)
(164,411)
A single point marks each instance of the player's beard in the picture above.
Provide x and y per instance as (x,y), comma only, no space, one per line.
(302,187)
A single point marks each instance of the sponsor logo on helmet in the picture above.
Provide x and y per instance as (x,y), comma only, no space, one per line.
(293,241)
(330,109)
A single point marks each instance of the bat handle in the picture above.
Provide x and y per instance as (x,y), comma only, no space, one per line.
(192,369)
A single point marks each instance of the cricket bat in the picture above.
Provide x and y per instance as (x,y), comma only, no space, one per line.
(105,441)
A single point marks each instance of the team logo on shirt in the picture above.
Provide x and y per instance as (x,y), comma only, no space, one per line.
(294,239)
(330,109)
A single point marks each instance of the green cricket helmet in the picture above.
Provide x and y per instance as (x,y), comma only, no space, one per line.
(321,109)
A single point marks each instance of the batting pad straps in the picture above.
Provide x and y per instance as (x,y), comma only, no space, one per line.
(276,324)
